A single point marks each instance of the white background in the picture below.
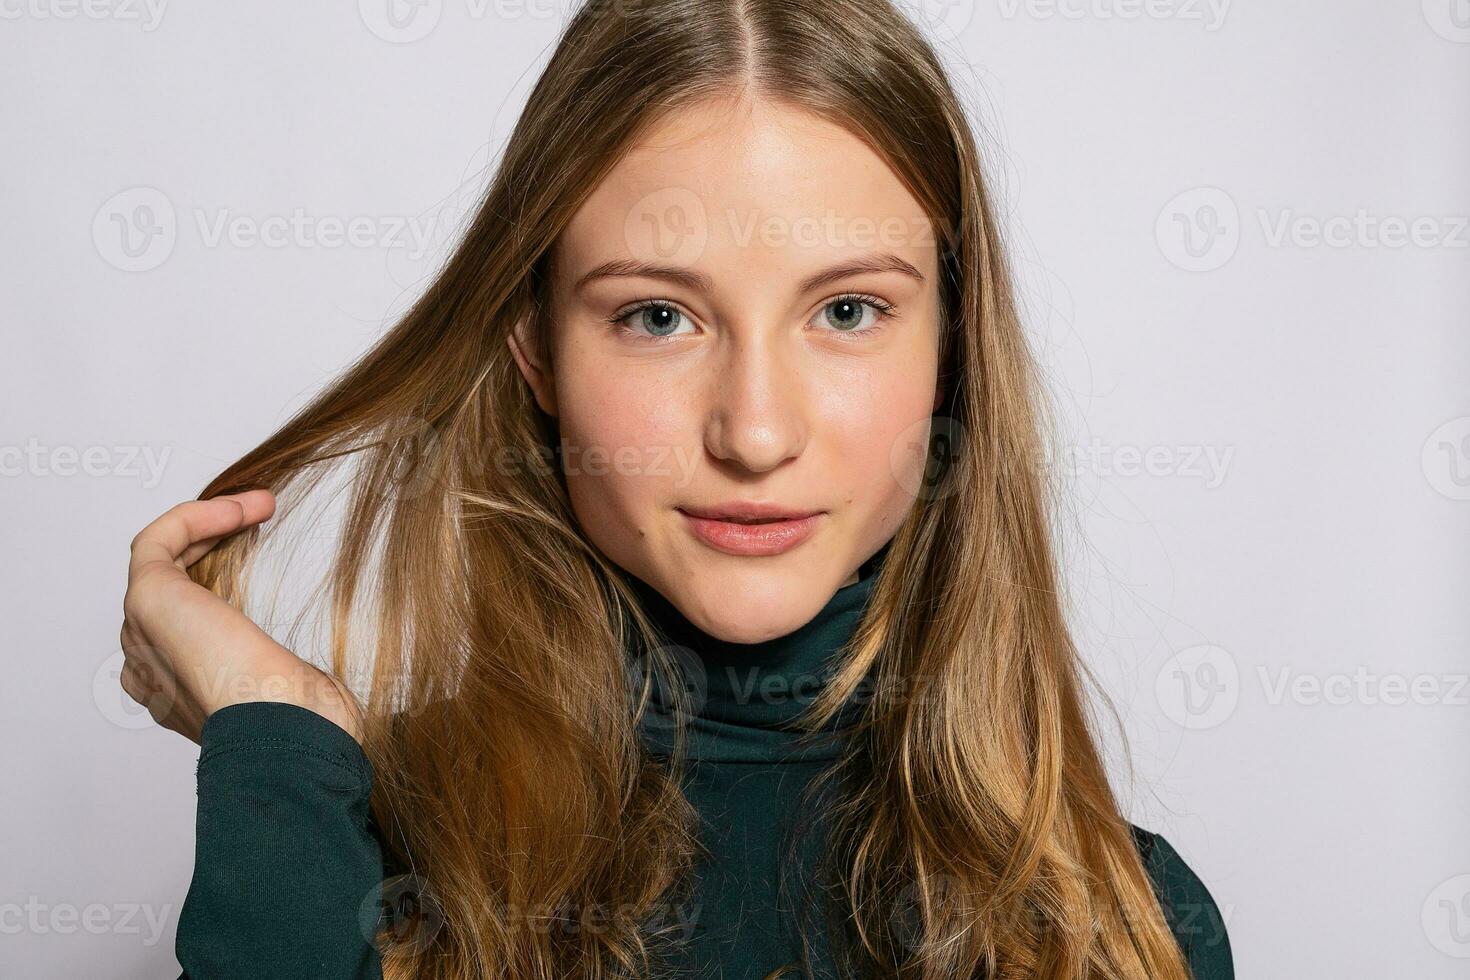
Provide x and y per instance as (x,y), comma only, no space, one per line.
(1272,589)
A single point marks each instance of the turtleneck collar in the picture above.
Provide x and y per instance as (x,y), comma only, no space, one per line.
(744,695)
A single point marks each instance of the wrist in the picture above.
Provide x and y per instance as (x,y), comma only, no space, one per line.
(302,685)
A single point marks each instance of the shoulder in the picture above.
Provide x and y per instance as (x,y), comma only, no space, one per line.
(1189,908)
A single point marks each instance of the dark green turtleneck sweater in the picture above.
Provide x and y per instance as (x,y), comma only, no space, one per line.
(746,775)
(288,864)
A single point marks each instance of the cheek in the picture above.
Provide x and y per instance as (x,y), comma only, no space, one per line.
(880,427)
(625,450)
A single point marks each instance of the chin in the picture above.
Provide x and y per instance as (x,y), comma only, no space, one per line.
(750,609)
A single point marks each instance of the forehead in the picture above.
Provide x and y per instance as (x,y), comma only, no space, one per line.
(727,181)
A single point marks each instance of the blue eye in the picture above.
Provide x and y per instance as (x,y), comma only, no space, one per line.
(845,314)
(851,315)
(658,318)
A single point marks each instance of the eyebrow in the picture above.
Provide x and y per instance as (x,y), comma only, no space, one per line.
(880,262)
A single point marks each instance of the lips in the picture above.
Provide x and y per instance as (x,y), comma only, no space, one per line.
(749,513)
(752,529)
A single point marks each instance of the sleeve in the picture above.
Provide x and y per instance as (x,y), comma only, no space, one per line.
(1189,908)
(288,869)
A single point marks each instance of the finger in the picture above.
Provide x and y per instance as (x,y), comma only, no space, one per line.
(168,537)
(198,550)
(259,505)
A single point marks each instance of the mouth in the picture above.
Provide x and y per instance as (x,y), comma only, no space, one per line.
(749,513)
(751,529)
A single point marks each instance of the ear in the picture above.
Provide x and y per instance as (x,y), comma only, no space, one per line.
(537,375)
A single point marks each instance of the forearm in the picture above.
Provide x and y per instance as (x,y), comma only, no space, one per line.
(287,875)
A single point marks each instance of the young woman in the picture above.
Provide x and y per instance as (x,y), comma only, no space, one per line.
(714,619)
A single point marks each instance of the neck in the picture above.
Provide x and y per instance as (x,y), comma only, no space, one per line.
(745,696)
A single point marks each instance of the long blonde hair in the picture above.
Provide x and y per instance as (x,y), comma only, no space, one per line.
(979,836)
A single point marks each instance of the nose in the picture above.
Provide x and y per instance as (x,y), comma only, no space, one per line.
(756,417)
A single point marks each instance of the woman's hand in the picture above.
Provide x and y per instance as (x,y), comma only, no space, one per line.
(186,652)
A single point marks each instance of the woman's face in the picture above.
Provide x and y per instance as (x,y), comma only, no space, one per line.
(785,356)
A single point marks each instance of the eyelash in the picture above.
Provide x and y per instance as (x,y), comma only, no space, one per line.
(885,312)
